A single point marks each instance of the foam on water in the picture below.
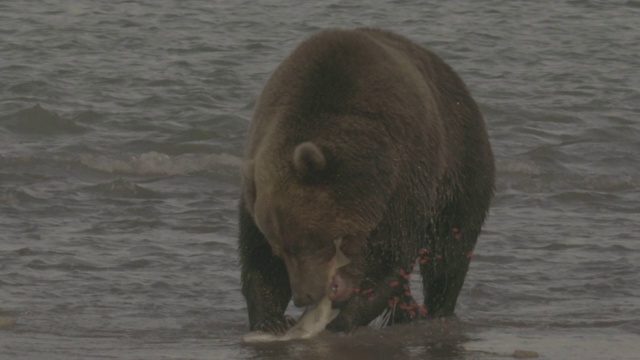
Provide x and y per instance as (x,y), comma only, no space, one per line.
(154,163)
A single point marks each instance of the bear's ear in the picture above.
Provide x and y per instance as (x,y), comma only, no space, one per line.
(308,161)
(249,185)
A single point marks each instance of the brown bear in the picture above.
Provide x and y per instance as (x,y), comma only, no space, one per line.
(364,136)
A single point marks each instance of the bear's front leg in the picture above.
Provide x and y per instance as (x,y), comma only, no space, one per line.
(265,282)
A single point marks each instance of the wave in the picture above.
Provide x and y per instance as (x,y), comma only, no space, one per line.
(519,167)
(125,188)
(39,121)
(155,163)
(544,176)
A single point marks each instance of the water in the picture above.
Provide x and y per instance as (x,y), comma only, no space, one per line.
(121,133)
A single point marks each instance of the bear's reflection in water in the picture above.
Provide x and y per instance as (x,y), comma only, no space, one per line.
(431,339)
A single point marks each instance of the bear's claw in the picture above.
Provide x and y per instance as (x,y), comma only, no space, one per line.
(276,326)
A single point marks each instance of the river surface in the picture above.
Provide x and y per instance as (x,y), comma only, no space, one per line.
(122,126)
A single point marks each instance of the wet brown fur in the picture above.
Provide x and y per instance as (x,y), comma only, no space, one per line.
(364,135)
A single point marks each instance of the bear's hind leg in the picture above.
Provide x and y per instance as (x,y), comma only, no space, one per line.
(443,265)
(442,284)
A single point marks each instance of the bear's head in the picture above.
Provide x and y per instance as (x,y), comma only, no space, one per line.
(304,201)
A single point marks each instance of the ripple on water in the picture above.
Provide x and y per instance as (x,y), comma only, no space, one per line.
(38,121)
